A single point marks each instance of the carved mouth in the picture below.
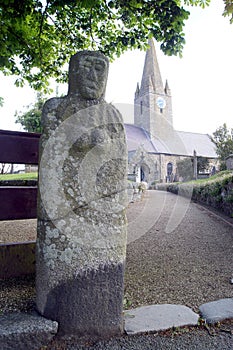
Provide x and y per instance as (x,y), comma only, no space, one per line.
(92,88)
(92,84)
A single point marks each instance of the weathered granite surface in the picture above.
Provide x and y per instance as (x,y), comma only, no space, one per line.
(20,331)
(81,206)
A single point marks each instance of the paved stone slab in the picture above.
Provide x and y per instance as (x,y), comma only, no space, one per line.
(21,331)
(217,310)
(158,317)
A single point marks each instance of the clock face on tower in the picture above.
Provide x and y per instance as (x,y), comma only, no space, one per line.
(161,103)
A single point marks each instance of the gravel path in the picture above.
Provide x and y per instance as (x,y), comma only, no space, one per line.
(190,265)
(17,231)
(187,338)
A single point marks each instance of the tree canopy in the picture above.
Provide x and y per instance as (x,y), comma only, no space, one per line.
(37,37)
(202,164)
(228,11)
(31,119)
(223,139)
(185,169)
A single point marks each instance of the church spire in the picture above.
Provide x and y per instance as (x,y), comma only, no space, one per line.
(151,74)
(153,100)
(167,89)
(137,91)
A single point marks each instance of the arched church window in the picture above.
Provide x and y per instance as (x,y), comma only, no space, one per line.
(169,168)
(141,106)
(169,177)
(142,174)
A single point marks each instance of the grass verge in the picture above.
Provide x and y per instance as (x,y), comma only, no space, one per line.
(26,176)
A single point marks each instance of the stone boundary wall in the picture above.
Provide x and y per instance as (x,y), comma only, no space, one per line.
(217,193)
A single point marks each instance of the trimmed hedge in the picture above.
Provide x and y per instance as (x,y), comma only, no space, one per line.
(216,191)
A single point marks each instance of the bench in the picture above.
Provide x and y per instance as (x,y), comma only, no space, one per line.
(18,202)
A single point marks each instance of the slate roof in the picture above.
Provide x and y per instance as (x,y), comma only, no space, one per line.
(136,137)
(183,143)
(200,142)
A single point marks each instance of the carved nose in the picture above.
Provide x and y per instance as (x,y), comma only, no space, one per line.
(92,74)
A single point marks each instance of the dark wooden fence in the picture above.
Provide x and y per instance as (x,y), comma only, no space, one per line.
(18,202)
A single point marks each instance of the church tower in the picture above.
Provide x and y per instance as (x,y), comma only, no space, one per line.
(152,102)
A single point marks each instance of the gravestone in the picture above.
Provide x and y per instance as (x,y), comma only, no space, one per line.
(81,244)
(229,162)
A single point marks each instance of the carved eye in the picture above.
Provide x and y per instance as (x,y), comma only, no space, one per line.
(98,68)
(87,66)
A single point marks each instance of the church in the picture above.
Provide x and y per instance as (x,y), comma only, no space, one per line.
(154,146)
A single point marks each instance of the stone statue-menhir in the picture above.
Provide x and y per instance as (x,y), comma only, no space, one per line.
(81,244)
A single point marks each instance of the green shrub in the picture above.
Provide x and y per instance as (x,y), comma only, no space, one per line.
(216,191)
(229,197)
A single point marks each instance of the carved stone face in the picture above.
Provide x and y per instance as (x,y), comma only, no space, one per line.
(91,77)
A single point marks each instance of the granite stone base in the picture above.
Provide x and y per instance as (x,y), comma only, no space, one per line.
(91,303)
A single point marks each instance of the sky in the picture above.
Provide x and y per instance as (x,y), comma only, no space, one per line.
(201,81)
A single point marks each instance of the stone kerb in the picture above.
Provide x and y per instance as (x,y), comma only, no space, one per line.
(81,244)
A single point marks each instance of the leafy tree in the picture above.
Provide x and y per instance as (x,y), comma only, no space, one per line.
(223,139)
(228,11)
(37,37)
(202,164)
(31,119)
(185,169)
(1,101)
